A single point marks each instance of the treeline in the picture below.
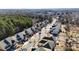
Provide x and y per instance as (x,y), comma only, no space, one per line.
(11,24)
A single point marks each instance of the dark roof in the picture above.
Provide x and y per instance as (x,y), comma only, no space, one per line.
(6,42)
(48,38)
(42,41)
(47,46)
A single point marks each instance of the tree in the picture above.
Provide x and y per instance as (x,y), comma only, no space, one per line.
(10,23)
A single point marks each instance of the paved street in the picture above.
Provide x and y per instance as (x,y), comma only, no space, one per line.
(33,41)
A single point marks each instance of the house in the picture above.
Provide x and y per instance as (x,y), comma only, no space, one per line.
(55,30)
(20,37)
(38,26)
(29,32)
(46,43)
(33,29)
(6,43)
(44,24)
(2,45)
(50,44)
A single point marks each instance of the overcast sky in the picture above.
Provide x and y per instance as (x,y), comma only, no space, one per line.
(39,4)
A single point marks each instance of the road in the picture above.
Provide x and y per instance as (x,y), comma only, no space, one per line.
(33,41)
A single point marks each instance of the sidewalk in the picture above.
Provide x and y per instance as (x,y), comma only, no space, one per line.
(36,37)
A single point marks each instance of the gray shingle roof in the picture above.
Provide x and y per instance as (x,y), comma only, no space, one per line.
(29,31)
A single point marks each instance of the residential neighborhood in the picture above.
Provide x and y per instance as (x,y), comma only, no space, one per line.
(39,30)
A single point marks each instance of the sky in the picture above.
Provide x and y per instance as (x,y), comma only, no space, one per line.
(35,4)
